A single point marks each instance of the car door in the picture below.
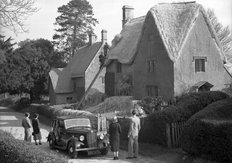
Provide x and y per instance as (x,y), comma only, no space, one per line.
(55,129)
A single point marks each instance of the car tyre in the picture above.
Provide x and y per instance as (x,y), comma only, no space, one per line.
(71,150)
(51,143)
(104,151)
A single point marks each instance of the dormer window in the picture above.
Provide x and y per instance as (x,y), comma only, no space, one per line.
(199,63)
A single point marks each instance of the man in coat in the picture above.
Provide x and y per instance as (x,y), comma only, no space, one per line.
(26,123)
(133,136)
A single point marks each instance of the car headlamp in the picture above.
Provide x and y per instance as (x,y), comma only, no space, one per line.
(82,138)
(101,136)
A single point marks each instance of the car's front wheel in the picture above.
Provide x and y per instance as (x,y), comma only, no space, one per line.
(71,150)
(104,151)
(51,143)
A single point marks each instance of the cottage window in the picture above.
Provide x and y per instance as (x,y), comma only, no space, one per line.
(200,64)
(152,90)
(119,67)
(69,99)
(151,65)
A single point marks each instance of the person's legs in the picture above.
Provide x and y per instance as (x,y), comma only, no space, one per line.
(130,146)
(116,155)
(136,147)
(27,135)
(35,139)
(39,137)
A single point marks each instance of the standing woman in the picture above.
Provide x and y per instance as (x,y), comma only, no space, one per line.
(115,131)
(36,129)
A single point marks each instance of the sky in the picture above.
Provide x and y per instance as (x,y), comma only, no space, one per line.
(109,15)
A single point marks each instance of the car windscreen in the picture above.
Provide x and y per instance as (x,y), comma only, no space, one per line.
(79,122)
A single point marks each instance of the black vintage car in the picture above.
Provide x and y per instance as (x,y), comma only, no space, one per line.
(76,134)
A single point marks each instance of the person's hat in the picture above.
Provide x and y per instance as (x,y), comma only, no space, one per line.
(115,119)
(27,114)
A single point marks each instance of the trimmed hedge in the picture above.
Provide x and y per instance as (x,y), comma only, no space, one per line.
(94,98)
(153,127)
(122,104)
(209,132)
(6,102)
(61,110)
(188,105)
(13,150)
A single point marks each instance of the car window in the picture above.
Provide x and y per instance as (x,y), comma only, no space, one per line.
(78,122)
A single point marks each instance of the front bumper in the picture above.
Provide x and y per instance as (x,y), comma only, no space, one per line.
(99,147)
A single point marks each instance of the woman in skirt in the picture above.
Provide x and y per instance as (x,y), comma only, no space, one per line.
(36,129)
(114,132)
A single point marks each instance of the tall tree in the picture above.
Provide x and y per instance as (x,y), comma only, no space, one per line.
(223,34)
(34,70)
(26,69)
(14,12)
(53,57)
(6,50)
(75,22)
(5,47)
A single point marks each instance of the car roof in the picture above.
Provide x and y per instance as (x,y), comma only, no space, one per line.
(69,117)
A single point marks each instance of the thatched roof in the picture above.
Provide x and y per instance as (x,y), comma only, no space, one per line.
(173,20)
(124,45)
(61,78)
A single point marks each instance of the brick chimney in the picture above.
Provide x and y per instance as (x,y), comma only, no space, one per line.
(127,14)
(104,35)
(92,38)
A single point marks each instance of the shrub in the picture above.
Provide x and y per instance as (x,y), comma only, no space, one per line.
(188,105)
(121,104)
(21,103)
(209,132)
(13,150)
(151,104)
(6,102)
(154,125)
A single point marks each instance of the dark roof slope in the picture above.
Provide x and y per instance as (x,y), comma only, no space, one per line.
(61,80)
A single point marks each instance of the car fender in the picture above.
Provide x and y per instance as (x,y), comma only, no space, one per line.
(50,135)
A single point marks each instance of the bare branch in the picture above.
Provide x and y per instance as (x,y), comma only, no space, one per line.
(13,13)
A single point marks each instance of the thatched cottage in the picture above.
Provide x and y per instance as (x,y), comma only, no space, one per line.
(69,84)
(170,51)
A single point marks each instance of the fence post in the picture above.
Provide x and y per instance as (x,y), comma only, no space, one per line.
(168,135)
